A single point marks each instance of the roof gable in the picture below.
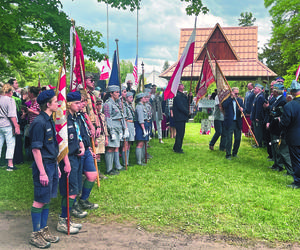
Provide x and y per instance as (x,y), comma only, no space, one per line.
(218,46)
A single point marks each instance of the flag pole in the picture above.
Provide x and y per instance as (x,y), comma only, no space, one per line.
(72,51)
(243,115)
(192,65)
(118,63)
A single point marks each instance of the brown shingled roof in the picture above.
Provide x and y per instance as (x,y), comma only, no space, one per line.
(238,45)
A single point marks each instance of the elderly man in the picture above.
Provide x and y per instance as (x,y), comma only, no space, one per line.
(181,116)
(290,122)
(233,106)
(257,114)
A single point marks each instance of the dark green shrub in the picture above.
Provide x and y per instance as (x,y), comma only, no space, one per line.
(200,116)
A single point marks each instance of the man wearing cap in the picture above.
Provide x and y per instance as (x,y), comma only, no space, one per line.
(45,171)
(181,116)
(70,166)
(113,116)
(257,114)
(279,147)
(290,122)
(157,114)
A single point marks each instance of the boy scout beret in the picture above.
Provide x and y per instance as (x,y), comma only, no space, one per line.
(112,88)
(73,96)
(45,96)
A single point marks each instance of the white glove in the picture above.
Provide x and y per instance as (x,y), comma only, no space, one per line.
(145,133)
(113,137)
(126,133)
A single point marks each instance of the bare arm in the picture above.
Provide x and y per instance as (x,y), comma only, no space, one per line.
(16,125)
(44,180)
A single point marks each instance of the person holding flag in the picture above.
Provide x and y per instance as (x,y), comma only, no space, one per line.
(45,171)
(233,122)
(181,116)
(70,166)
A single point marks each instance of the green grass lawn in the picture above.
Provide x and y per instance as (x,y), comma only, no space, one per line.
(196,192)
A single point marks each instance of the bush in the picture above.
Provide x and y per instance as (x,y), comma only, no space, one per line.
(200,116)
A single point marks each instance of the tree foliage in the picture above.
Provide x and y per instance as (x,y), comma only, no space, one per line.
(195,7)
(246,19)
(125,68)
(283,51)
(165,66)
(31,26)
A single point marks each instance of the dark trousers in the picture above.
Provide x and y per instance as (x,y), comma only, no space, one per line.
(267,139)
(295,159)
(219,131)
(236,131)
(180,130)
(281,154)
(258,132)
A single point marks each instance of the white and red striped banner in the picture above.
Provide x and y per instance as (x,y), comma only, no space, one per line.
(105,71)
(186,59)
(61,118)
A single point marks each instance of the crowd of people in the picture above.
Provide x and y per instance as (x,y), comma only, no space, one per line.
(272,120)
(108,123)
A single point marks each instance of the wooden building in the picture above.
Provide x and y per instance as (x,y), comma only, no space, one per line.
(235,48)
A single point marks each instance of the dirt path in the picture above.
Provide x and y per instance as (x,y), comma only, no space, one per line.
(15,230)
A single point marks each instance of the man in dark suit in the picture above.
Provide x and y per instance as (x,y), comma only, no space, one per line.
(233,122)
(257,114)
(181,116)
(280,150)
(290,123)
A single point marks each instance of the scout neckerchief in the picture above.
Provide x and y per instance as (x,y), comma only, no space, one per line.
(82,117)
(93,102)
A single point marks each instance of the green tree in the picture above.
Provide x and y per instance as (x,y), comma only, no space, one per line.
(246,19)
(194,7)
(90,66)
(165,66)
(284,47)
(125,68)
(31,26)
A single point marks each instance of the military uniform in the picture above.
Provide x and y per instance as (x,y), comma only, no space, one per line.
(280,149)
(290,123)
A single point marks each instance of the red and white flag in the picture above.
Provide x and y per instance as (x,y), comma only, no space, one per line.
(186,59)
(206,79)
(78,81)
(60,116)
(297,73)
(105,71)
(222,85)
(136,79)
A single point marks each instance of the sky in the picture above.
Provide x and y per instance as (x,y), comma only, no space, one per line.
(159,25)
